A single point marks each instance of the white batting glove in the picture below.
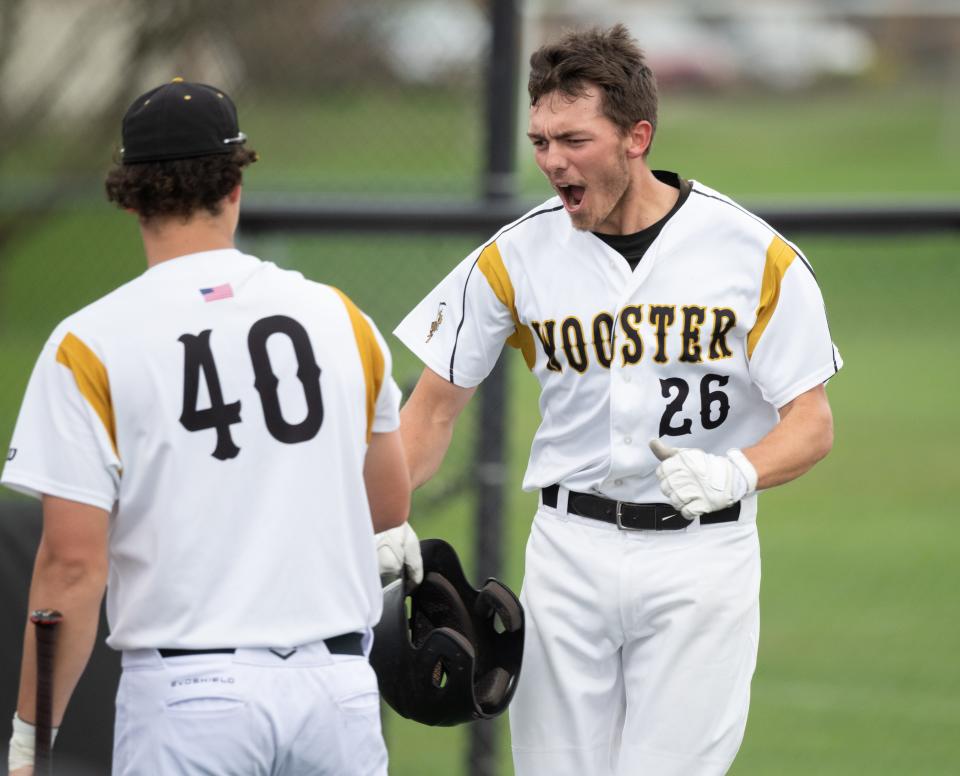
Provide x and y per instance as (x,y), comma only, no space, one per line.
(396,548)
(696,482)
(20,755)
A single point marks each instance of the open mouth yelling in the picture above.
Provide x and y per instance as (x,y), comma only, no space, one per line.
(571,195)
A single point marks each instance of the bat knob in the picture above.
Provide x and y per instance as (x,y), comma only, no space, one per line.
(46,617)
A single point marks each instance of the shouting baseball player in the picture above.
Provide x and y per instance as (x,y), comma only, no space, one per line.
(216,441)
(649,307)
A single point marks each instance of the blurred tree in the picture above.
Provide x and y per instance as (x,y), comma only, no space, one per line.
(68,69)
(295,45)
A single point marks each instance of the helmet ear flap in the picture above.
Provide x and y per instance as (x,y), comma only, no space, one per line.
(492,688)
(502,651)
(442,669)
(495,598)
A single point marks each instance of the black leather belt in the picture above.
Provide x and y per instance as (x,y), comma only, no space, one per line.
(345,644)
(633,517)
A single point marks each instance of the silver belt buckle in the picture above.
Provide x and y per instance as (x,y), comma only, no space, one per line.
(620,524)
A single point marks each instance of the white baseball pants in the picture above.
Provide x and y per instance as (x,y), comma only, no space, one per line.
(250,713)
(639,650)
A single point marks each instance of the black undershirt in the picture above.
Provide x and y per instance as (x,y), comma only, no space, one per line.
(633,246)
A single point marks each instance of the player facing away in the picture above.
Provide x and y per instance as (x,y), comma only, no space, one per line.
(216,442)
(649,307)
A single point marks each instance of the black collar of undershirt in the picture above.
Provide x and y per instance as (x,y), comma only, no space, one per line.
(633,246)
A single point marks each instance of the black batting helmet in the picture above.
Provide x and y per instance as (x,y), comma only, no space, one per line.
(457,656)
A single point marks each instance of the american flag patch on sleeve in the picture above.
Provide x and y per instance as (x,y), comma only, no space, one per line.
(217,292)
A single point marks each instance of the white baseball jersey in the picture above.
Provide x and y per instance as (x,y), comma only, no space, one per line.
(220,408)
(721,323)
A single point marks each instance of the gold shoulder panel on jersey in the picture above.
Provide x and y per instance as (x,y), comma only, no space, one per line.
(779,258)
(370,356)
(92,380)
(491,265)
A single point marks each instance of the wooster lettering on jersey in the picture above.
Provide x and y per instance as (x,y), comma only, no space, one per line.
(642,329)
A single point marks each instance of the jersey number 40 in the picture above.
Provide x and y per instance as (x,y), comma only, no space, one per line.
(199,358)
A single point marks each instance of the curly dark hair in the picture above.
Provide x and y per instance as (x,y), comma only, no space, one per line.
(608,59)
(178,187)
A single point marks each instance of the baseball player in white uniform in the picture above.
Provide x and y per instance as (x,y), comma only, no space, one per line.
(215,442)
(648,307)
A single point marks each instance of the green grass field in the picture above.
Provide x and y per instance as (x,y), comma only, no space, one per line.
(857,670)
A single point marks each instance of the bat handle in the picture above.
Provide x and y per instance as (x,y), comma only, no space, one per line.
(45,627)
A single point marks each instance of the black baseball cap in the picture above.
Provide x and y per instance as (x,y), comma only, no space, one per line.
(180,120)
